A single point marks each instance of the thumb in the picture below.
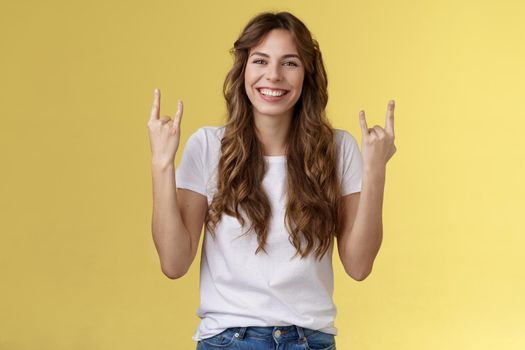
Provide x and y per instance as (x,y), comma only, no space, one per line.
(362,122)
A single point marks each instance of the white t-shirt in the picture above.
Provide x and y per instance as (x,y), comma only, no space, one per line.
(241,289)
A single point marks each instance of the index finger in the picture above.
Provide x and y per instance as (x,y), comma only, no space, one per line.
(389,126)
(155,109)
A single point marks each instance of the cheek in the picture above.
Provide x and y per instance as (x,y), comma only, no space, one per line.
(248,80)
(297,80)
(249,74)
(298,83)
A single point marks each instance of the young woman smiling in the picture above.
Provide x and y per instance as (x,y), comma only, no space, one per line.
(273,187)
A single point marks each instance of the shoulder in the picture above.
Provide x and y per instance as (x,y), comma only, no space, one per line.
(344,139)
(209,133)
(207,136)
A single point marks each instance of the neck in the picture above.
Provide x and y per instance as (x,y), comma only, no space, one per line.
(272,132)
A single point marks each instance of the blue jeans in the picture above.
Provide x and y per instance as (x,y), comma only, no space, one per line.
(269,338)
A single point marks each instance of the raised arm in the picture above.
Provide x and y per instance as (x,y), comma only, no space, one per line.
(178,216)
(362,213)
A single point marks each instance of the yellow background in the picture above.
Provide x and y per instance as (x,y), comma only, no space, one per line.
(78,265)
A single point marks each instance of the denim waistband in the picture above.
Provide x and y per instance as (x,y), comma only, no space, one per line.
(284,332)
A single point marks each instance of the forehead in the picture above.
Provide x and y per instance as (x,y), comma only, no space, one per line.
(276,42)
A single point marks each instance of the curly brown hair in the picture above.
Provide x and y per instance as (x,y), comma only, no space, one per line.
(313,186)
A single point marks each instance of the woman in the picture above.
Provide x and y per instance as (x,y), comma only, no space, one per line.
(273,187)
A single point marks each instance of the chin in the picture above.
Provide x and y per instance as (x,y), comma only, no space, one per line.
(276,110)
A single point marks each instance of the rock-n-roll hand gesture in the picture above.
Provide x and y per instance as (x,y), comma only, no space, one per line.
(378,143)
(164,133)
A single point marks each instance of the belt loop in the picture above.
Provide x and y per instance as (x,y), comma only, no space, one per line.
(242,331)
(300,332)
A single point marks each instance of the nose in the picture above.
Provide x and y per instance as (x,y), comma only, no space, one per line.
(273,73)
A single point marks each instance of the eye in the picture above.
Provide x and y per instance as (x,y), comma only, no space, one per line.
(290,62)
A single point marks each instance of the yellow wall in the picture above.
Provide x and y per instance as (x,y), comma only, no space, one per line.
(77,262)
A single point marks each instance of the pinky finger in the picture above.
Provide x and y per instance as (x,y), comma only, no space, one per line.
(178,115)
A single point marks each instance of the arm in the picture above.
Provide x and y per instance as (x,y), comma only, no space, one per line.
(362,228)
(177,217)
(177,220)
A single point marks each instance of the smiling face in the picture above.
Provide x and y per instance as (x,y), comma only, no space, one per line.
(270,66)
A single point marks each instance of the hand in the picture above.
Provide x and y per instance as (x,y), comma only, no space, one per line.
(164,133)
(378,143)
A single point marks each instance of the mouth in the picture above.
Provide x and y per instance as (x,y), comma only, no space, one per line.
(272,95)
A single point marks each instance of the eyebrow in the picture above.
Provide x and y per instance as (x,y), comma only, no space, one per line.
(284,56)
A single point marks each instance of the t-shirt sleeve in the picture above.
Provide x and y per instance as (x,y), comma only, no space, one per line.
(190,173)
(352,165)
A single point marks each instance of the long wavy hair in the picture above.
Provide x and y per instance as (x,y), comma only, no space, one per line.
(313,187)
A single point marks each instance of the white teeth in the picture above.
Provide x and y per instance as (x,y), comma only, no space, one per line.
(271,92)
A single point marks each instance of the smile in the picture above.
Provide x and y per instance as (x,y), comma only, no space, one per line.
(272,95)
(270,92)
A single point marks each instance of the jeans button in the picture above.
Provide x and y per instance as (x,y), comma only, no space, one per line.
(277,333)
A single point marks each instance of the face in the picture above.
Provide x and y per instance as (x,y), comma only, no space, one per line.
(273,80)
